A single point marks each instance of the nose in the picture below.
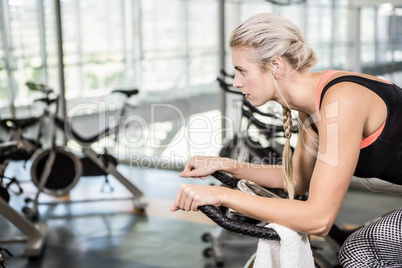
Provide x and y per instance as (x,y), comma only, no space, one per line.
(237,83)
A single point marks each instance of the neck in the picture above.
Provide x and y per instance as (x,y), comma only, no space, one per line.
(299,91)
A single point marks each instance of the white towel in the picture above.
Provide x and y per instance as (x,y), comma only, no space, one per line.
(293,251)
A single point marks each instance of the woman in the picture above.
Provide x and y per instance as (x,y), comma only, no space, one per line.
(356,116)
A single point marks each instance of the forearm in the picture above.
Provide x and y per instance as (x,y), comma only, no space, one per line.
(264,175)
(297,215)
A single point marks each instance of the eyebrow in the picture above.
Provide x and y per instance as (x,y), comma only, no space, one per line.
(238,68)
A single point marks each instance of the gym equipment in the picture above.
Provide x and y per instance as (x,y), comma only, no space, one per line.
(259,136)
(237,223)
(256,141)
(56,170)
(34,234)
(254,228)
(217,237)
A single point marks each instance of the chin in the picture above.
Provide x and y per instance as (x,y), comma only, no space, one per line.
(256,103)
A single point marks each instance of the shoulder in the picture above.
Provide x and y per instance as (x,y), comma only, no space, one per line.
(347,94)
(345,107)
(348,85)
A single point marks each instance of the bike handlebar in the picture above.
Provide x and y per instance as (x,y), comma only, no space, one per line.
(232,225)
(39,87)
(226,178)
(44,89)
(226,74)
(127,92)
(243,228)
(13,123)
(226,87)
(255,110)
(47,90)
(261,125)
(46,100)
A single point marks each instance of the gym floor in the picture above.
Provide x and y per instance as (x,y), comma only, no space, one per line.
(110,233)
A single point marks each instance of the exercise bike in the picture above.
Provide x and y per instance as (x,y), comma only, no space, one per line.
(259,134)
(255,228)
(257,140)
(335,238)
(56,170)
(15,129)
(245,147)
(34,234)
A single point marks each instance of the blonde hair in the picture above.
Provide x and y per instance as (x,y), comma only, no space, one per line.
(267,36)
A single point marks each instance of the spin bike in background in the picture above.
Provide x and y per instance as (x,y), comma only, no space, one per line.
(56,170)
(34,234)
(16,129)
(259,139)
(260,134)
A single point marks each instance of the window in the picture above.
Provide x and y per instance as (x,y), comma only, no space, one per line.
(158,45)
(169,49)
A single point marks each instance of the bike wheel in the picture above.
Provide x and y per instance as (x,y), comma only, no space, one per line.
(65,171)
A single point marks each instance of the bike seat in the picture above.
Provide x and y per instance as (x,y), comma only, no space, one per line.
(13,123)
(46,100)
(6,145)
(127,92)
(7,149)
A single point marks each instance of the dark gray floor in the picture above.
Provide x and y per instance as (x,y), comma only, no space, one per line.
(112,234)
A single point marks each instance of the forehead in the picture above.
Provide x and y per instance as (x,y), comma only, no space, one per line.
(240,57)
(238,53)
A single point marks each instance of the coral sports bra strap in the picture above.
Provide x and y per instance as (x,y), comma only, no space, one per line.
(370,139)
(320,87)
(318,98)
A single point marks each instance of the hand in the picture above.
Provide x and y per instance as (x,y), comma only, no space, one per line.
(189,197)
(201,166)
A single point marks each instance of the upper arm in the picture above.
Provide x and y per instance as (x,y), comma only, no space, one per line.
(304,156)
(341,125)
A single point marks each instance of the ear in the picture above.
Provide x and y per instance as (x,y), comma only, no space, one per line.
(276,65)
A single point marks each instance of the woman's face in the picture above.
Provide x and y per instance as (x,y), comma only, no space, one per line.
(254,83)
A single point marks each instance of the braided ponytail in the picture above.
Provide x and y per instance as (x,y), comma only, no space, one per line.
(266,37)
(289,182)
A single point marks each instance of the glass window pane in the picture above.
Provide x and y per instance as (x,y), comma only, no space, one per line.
(203,43)
(203,69)
(164,44)
(25,46)
(164,73)
(203,30)
(93,44)
(163,26)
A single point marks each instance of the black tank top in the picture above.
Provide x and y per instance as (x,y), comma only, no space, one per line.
(383,158)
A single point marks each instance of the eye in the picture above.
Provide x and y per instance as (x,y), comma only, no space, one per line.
(240,71)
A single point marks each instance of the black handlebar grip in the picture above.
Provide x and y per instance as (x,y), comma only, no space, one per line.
(243,228)
(228,87)
(225,178)
(127,92)
(46,100)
